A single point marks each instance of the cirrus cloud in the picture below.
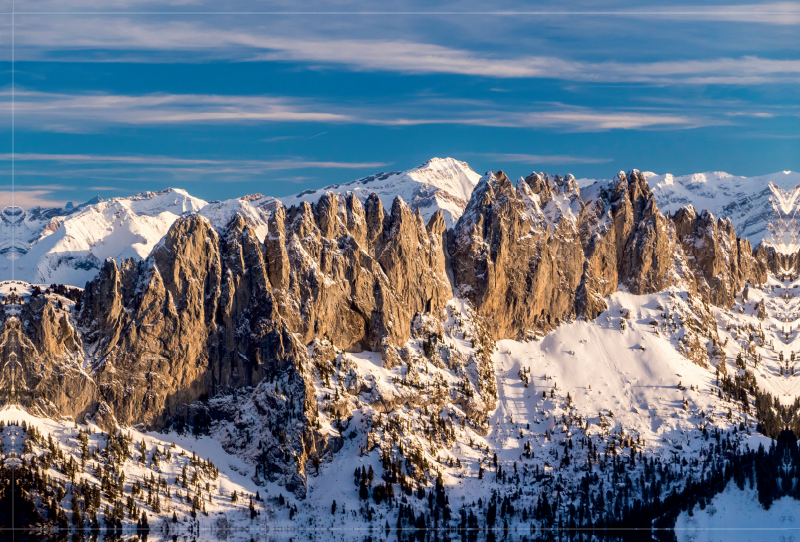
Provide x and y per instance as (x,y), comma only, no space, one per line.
(92,112)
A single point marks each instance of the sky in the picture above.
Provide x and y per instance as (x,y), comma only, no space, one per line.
(119,97)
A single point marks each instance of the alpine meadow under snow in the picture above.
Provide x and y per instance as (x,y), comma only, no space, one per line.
(430,353)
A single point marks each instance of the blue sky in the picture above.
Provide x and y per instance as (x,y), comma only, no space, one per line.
(289,95)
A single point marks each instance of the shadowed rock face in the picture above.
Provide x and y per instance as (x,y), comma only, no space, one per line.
(220,310)
(196,316)
(209,311)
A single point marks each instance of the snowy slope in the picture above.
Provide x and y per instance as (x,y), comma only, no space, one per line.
(635,382)
(256,208)
(72,250)
(747,201)
(439,183)
(181,449)
(735,516)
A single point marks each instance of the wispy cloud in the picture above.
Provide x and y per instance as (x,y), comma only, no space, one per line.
(173,161)
(755,114)
(555,159)
(412,57)
(30,198)
(48,187)
(98,166)
(155,39)
(279,138)
(766,12)
(569,120)
(78,112)
(771,13)
(92,112)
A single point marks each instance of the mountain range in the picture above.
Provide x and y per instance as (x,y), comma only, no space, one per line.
(474,354)
(68,245)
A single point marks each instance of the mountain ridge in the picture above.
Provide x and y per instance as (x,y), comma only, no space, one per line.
(86,240)
(553,343)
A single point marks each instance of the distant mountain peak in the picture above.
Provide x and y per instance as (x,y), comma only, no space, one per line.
(437,183)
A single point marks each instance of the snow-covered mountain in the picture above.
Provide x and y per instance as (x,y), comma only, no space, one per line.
(67,246)
(590,398)
(562,358)
(439,183)
(747,201)
(255,208)
(70,248)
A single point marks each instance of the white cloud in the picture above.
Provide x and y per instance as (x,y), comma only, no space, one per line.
(92,112)
(564,119)
(80,112)
(155,39)
(30,198)
(171,161)
(556,159)
(73,165)
(773,13)
(410,57)
(757,114)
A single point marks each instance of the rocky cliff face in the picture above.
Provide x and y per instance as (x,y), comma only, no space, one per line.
(721,263)
(212,311)
(516,252)
(41,356)
(219,324)
(532,255)
(196,318)
(356,274)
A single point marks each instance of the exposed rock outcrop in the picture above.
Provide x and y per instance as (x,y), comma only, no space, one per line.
(356,274)
(516,252)
(195,316)
(41,360)
(721,263)
(536,254)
